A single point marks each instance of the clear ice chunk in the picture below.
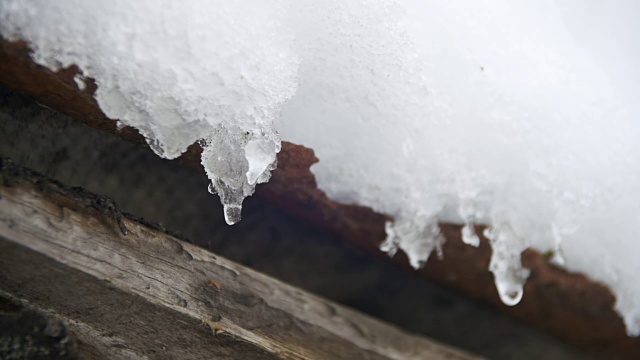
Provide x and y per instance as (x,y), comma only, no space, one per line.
(417,242)
(508,273)
(235,161)
(469,235)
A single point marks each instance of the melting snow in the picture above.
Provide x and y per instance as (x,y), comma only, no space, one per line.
(518,114)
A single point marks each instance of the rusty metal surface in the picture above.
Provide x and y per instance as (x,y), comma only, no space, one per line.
(569,306)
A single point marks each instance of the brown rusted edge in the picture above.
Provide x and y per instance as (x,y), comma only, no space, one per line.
(567,305)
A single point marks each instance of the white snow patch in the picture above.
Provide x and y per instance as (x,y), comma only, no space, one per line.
(80,82)
(178,72)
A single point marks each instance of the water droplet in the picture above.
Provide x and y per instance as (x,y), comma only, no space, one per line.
(232,213)
(510,294)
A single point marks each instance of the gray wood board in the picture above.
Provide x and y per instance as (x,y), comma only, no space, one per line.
(160,297)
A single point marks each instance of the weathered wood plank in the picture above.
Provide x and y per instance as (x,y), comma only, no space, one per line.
(165,291)
(104,321)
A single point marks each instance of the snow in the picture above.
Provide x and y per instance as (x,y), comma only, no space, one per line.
(153,74)
(517,114)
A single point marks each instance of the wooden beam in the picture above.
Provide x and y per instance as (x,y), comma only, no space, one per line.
(64,251)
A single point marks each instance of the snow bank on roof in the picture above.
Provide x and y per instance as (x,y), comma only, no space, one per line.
(179,72)
(518,114)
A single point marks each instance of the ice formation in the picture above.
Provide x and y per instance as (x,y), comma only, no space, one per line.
(497,112)
(179,72)
(513,113)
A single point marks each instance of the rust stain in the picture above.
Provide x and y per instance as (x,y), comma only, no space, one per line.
(213,283)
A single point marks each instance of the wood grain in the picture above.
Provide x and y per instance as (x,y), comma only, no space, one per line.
(63,251)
